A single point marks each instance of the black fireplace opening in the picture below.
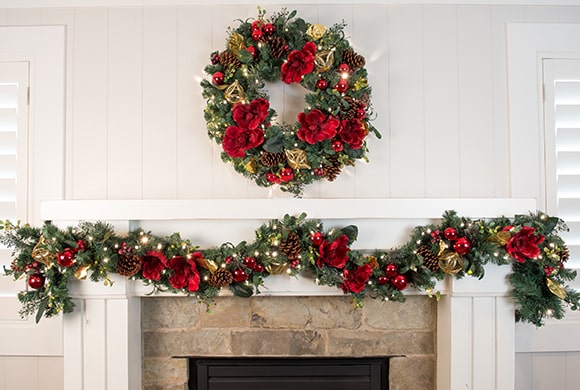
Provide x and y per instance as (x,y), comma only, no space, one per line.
(289,373)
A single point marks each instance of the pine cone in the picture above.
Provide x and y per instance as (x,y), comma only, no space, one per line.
(292,246)
(278,46)
(352,59)
(129,264)
(220,278)
(332,171)
(430,260)
(227,58)
(272,159)
(350,112)
(564,254)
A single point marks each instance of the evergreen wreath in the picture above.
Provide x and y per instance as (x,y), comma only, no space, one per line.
(329,134)
(49,257)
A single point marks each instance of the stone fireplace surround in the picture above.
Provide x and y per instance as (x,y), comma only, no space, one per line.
(120,337)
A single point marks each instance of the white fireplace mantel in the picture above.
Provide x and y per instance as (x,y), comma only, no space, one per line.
(475,319)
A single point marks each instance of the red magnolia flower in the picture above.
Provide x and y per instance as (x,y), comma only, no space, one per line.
(185,274)
(152,264)
(299,63)
(524,244)
(334,254)
(352,132)
(237,140)
(356,280)
(250,116)
(316,127)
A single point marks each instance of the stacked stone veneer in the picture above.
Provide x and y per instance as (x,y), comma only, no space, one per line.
(288,326)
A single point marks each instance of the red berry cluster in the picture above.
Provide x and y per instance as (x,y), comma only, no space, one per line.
(393,276)
(261,29)
(240,274)
(67,256)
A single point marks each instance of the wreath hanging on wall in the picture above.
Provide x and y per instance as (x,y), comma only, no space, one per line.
(328,135)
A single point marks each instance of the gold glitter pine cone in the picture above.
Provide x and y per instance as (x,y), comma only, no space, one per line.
(278,46)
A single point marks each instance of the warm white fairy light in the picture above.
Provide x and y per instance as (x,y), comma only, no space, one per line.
(144,240)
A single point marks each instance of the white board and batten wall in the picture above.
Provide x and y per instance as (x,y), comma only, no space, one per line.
(134,128)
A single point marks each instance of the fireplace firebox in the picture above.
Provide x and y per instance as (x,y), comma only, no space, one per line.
(288,373)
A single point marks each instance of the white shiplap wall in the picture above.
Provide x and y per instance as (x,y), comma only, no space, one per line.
(135,128)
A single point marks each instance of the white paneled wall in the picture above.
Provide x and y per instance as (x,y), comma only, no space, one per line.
(134,117)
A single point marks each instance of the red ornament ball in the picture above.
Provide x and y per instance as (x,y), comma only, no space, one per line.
(462,246)
(252,50)
(337,146)
(240,275)
(382,280)
(341,86)
(316,238)
(343,68)
(66,257)
(272,177)
(259,268)
(400,282)
(82,245)
(286,175)
(257,25)
(250,262)
(257,35)
(36,281)
(218,78)
(321,84)
(361,113)
(391,270)
(450,233)
(269,29)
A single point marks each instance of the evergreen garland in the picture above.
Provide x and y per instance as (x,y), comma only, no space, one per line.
(334,75)
(49,257)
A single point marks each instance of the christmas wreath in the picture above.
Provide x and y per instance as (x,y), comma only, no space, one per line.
(329,134)
(49,257)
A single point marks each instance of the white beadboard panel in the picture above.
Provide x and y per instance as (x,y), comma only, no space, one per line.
(569,14)
(499,17)
(89,125)
(193,145)
(226,183)
(572,371)
(541,14)
(484,341)
(371,41)
(523,365)
(50,373)
(406,97)
(548,371)
(19,17)
(159,102)
(441,101)
(124,104)
(21,373)
(476,145)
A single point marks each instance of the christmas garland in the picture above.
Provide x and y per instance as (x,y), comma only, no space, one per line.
(49,257)
(328,135)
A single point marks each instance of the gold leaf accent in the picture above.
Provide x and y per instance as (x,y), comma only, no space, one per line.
(323,61)
(82,272)
(297,159)
(251,166)
(501,238)
(207,264)
(234,93)
(556,288)
(316,31)
(41,254)
(236,43)
(277,268)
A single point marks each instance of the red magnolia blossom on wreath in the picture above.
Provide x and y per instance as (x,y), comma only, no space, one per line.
(524,244)
(250,116)
(356,280)
(237,140)
(316,127)
(352,132)
(152,264)
(299,63)
(334,254)
(185,272)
